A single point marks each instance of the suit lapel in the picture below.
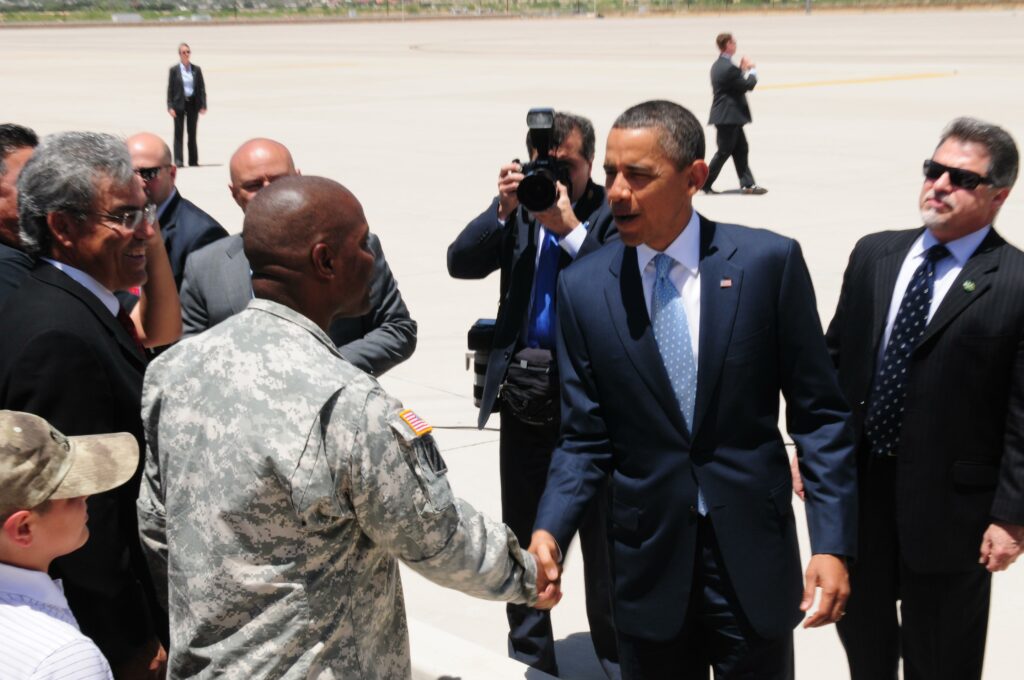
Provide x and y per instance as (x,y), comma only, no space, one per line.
(624,295)
(54,277)
(973,281)
(237,277)
(718,304)
(168,219)
(887,270)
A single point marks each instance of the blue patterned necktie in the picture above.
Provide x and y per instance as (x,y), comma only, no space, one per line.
(885,408)
(672,333)
(541,330)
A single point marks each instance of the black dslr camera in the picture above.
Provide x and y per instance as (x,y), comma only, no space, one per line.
(537,191)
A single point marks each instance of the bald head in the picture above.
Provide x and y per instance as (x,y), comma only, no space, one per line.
(151,158)
(256,164)
(305,238)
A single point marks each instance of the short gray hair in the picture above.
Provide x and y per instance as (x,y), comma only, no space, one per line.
(63,176)
(679,132)
(1002,151)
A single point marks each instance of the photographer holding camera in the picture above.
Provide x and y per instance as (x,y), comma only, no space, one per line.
(547,214)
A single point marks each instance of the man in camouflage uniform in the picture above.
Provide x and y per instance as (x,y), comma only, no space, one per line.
(282,483)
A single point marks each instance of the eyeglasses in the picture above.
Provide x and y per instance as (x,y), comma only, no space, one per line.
(149,174)
(965,179)
(185,52)
(129,219)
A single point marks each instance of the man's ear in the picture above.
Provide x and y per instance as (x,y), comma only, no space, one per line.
(18,528)
(322,257)
(1000,197)
(698,176)
(62,228)
(234,195)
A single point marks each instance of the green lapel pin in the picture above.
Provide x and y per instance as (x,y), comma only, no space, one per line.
(969,286)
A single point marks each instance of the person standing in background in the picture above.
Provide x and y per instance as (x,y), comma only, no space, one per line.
(186,101)
(729,113)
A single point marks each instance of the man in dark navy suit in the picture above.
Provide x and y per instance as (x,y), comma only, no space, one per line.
(730,112)
(531,250)
(674,347)
(928,337)
(184,225)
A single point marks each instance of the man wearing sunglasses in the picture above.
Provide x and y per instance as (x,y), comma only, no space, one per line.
(928,338)
(184,225)
(69,353)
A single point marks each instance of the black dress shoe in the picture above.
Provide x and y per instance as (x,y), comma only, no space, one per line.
(754,190)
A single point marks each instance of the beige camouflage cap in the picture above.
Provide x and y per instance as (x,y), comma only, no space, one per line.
(38,463)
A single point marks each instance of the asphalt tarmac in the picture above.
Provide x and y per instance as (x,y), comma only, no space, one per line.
(416,117)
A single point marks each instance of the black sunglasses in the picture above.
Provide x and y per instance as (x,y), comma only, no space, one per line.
(965,179)
(149,174)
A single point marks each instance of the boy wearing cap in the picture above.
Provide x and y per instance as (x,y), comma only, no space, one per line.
(44,480)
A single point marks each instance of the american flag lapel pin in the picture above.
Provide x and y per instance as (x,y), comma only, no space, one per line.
(726,282)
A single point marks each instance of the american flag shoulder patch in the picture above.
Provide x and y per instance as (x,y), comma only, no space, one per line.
(419,426)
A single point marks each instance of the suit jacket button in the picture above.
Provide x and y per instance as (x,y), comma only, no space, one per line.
(693,511)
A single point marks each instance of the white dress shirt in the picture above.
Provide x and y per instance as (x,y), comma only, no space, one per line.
(684,275)
(946,271)
(570,243)
(187,80)
(39,637)
(92,285)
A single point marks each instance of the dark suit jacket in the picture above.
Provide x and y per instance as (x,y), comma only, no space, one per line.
(218,284)
(176,89)
(729,94)
(485,246)
(64,356)
(186,228)
(14,267)
(759,335)
(961,455)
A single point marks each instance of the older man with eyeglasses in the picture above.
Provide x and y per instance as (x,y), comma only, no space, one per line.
(69,353)
(185,227)
(928,338)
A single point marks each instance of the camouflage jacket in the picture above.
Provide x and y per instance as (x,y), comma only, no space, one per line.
(281,484)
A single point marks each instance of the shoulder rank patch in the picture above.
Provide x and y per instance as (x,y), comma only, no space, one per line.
(418,426)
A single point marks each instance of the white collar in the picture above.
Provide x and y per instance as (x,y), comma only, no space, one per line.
(34,584)
(685,249)
(92,285)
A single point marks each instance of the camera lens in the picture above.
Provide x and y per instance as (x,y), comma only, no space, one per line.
(537,191)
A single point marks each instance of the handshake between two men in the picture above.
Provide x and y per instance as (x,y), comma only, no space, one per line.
(827,572)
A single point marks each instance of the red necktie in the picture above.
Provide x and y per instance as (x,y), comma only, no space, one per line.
(129,326)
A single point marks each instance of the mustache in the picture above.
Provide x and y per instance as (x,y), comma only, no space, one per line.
(942,198)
